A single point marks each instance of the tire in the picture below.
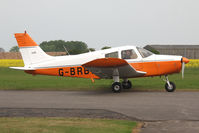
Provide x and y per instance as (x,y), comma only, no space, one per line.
(126,85)
(172,89)
(116,87)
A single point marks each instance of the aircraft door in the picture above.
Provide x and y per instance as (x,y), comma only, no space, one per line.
(132,58)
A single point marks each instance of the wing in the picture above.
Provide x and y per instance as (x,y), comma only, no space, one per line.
(109,67)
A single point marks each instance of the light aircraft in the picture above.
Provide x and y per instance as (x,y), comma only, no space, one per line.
(114,63)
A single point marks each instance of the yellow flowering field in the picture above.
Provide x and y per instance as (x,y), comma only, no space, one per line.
(194,63)
(11,62)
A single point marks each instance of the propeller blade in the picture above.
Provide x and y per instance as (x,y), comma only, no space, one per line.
(183,65)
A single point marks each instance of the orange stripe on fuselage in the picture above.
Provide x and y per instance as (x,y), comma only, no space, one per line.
(158,68)
(76,71)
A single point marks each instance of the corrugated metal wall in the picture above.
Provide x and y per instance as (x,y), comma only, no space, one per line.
(191,53)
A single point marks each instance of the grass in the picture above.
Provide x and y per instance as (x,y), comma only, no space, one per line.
(18,80)
(64,125)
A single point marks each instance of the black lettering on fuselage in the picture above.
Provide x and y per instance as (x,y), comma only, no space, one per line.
(79,70)
(61,72)
(86,71)
(72,71)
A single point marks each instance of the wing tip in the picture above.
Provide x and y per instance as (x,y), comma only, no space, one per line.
(21,68)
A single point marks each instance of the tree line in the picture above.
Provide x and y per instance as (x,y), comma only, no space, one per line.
(71,47)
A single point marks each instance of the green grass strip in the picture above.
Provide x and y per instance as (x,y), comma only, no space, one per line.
(64,125)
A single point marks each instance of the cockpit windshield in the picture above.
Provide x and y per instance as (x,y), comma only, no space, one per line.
(144,53)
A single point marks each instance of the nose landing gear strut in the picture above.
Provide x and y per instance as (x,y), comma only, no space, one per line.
(169,86)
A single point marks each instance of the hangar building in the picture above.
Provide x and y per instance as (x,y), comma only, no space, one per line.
(189,51)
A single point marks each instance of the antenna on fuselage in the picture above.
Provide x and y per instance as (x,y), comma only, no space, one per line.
(66,50)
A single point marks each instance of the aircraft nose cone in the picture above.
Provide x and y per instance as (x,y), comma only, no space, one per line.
(185,60)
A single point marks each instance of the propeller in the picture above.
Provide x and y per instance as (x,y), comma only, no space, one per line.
(184,61)
(183,64)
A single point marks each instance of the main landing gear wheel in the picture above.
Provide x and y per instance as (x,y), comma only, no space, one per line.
(171,87)
(126,85)
(116,87)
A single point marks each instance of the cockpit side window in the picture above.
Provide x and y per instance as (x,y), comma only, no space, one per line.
(129,54)
(112,55)
(144,53)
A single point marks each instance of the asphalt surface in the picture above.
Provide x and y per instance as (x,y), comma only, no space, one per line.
(160,111)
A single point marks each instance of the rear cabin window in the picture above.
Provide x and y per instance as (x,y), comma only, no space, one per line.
(129,54)
(112,55)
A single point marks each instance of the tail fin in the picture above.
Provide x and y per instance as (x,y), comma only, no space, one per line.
(30,51)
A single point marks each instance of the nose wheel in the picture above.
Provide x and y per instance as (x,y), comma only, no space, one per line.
(169,86)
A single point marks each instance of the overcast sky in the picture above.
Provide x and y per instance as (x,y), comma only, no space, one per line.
(101,22)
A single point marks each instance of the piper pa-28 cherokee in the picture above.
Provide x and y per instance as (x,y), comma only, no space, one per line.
(114,63)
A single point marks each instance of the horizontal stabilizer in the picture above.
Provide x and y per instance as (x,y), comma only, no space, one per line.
(22,68)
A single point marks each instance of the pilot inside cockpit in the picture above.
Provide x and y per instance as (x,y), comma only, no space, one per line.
(129,54)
